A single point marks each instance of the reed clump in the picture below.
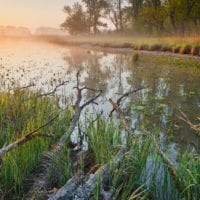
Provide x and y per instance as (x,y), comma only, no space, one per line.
(21,112)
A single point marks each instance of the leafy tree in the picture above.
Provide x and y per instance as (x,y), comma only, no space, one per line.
(95,9)
(117,14)
(76,21)
(135,6)
(153,18)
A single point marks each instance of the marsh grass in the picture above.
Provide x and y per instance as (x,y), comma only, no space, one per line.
(142,173)
(104,140)
(21,112)
(61,168)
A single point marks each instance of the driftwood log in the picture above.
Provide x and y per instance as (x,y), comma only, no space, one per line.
(84,191)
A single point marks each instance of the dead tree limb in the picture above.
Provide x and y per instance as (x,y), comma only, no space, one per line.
(27,86)
(185,118)
(66,191)
(166,160)
(52,92)
(121,116)
(41,182)
(78,108)
(27,138)
(123,96)
(84,191)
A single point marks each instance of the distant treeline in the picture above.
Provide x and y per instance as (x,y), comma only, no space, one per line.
(136,16)
(14,31)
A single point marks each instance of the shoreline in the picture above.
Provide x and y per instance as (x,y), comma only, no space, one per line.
(126,48)
(131,50)
(102,45)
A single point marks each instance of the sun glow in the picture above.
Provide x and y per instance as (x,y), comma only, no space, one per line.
(32,14)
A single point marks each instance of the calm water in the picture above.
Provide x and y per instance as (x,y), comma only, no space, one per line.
(167,83)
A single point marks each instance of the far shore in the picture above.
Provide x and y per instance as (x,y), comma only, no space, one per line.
(188,47)
(175,46)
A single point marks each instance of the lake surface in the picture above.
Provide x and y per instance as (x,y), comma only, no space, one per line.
(169,84)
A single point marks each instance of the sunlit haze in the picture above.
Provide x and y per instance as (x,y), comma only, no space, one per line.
(32,14)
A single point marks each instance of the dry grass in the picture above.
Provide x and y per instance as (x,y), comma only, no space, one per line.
(175,44)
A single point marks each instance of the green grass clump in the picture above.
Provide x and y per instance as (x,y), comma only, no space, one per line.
(142,172)
(104,140)
(21,112)
(61,168)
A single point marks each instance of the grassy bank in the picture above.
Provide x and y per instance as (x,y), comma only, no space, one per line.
(174,44)
(21,112)
(141,173)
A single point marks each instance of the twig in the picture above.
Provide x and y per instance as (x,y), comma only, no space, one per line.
(54,90)
(44,125)
(27,86)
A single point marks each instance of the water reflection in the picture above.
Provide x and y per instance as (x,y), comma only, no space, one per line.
(166,86)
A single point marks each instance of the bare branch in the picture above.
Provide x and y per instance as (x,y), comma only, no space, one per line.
(27,138)
(22,141)
(41,181)
(54,90)
(125,95)
(185,118)
(27,86)
(121,116)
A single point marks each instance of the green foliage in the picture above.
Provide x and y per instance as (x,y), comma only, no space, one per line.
(103,140)
(61,168)
(76,21)
(20,113)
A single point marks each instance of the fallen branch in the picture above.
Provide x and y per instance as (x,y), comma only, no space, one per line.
(65,192)
(185,118)
(78,109)
(166,160)
(84,191)
(123,96)
(27,138)
(121,116)
(41,182)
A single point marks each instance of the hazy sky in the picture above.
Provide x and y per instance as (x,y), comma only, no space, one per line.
(33,13)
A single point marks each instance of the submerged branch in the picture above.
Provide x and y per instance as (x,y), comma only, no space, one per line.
(166,160)
(185,118)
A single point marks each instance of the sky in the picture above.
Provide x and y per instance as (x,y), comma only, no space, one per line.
(33,13)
